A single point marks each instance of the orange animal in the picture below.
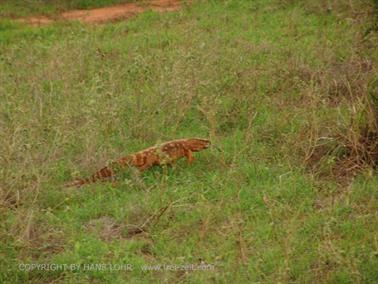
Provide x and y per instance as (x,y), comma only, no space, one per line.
(163,154)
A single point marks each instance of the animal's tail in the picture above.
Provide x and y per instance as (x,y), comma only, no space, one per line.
(101,175)
(78,182)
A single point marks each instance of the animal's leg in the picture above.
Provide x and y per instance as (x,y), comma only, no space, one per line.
(144,167)
(189,156)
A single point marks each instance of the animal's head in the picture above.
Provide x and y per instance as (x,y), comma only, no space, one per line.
(198,144)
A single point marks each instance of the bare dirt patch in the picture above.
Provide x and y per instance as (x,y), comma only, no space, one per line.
(107,14)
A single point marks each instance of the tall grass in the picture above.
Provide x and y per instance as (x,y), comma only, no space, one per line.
(291,195)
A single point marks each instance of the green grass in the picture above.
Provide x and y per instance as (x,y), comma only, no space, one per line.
(258,78)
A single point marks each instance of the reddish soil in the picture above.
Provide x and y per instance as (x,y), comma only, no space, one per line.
(106,14)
